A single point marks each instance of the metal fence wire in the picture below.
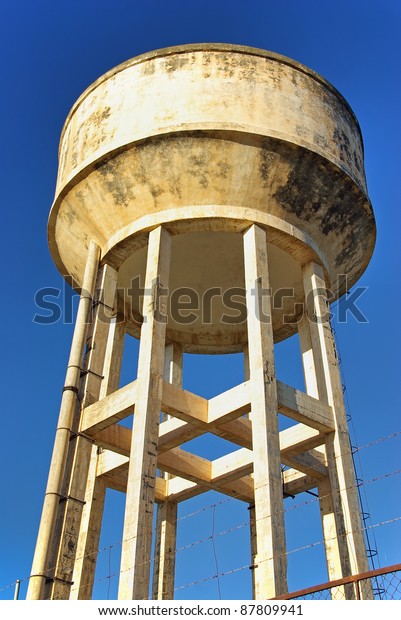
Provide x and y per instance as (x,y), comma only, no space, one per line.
(380,584)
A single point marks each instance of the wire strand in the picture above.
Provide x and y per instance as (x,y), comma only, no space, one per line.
(300,504)
(215,554)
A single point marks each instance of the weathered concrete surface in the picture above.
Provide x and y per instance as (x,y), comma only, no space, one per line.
(207,138)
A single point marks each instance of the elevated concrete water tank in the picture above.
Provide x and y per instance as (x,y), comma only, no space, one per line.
(206,139)
(220,179)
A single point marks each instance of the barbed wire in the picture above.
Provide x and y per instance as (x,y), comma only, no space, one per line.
(321,542)
(300,504)
(303,548)
(246,566)
(351,450)
(231,499)
(366,516)
(377,441)
(363,483)
(205,579)
(212,506)
(225,532)
(215,553)
(204,508)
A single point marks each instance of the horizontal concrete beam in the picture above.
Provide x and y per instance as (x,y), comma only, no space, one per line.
(179,489)
(113,468)
(299,438)
(304,408)
(185,405)
(295,482)
(186,465)
(230,404)
(232,466)
(308,464)
(220,415)
(116,438)
(109,410)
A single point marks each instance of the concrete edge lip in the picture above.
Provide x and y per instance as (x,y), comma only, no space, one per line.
(207,47)
(54,251)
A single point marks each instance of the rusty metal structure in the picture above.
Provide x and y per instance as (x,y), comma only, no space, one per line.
(214,172)
(386,581)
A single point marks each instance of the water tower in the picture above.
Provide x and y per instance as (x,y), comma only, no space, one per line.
(208,196)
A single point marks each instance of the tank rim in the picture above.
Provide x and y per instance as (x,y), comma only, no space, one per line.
(210,47)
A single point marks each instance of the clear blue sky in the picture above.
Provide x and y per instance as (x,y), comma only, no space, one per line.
(51,51)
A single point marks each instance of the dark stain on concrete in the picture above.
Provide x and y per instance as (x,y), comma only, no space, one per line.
(321,195)
(341,138)
(116,182)
(223,169)
(267,160)
(177,61)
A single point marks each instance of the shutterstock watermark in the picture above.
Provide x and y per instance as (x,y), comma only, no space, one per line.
(186,306)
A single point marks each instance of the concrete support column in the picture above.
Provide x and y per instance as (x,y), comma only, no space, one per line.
(64,426)
(251,507)
(113,356)
(311,373)
(164,566)
(166,524)
(339,503)
(92,514)
(80,450)
(253,545)
(138,521)
(89,534)
(271,560)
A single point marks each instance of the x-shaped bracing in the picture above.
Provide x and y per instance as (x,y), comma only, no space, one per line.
(227,415)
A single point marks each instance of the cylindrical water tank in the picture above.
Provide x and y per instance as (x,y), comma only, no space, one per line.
(207,139)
